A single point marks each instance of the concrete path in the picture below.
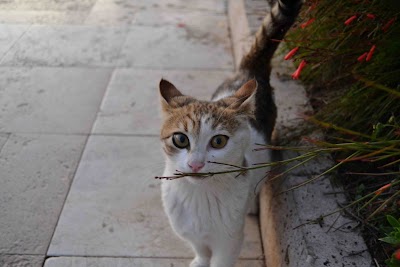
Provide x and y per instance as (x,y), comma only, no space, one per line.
(79,121)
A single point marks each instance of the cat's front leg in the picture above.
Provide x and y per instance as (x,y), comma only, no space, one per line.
(226,252)
(203,255)
(254,207)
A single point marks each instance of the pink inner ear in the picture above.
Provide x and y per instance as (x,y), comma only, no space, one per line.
(168,90)
(247,89)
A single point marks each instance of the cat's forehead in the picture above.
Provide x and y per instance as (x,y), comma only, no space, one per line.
(192,117)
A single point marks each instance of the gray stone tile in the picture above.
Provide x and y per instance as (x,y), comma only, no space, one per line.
(131,103)
(196,22)
(41,17)
(114,205)
(211,6)
(176,47)
(134,262)
(205,5)
(21,261)
(58,45)
(81,5)
(36,172)
(71,5)
(9,34)
(3,140)
(50,100)
(112,12)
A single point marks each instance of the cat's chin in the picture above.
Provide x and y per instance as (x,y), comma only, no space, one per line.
(195,179)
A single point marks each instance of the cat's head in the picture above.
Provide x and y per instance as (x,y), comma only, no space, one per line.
(195,133)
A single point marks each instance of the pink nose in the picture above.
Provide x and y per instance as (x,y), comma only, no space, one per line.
(196,166)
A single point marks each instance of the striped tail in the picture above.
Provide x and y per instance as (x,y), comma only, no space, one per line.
(273,29)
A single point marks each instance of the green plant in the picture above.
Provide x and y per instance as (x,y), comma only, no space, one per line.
(393,238)
(392,262)
(347,55)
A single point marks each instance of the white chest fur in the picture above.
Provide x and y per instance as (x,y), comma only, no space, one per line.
(202,211)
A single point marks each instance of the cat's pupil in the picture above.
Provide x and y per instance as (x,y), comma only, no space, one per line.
(182,139)
(218,141)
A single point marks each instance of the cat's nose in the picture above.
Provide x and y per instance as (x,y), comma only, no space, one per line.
(196,166)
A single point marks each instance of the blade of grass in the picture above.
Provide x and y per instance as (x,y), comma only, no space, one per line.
(318,176)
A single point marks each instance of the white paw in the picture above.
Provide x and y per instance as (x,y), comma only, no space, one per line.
(200,262)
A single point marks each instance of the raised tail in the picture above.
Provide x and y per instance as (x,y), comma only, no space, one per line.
(274,27)
(256,64)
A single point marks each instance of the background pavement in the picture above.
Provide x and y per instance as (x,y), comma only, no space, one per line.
(79,121)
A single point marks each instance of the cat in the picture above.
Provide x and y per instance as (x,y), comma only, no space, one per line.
(209,212)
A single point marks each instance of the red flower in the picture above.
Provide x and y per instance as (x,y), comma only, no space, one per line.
(383,188)
(370,53)
(305,24)
(396,254)
(350,20)
(296,74)
(362,57)
(371,16)
(291,53)
(388,24)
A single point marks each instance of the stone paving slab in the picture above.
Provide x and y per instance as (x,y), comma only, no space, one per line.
(71,5)
(176,47)
(134,262)
(114,205)
(3,140)
(211,6)
(42,17)
(9,34)
(21,261)
(197,22)
(161,47)
(119,13)
(112,12)
(36,172)
(65,45)
(131,104)
(50,100)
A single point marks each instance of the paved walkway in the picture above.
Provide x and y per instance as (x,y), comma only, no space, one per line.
(79,119)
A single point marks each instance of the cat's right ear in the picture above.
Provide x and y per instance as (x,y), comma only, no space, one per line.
(167,92)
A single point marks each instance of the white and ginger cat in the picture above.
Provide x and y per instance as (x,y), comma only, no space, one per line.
(209,212)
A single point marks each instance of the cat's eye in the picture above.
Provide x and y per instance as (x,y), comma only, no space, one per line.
(219,141)
(180,140)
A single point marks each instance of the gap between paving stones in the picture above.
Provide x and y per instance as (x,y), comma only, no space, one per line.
(285,243)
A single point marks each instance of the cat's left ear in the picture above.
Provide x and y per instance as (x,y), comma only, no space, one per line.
(246,97)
